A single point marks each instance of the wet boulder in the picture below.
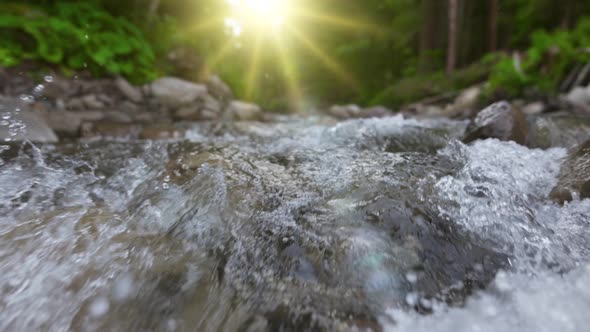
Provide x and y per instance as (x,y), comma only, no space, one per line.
(574,178)
(499,120)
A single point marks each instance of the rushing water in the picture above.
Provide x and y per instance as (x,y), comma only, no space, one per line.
(384,224)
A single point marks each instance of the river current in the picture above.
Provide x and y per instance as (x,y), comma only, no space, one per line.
(305,224)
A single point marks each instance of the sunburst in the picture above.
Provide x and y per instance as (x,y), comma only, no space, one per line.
(270,25)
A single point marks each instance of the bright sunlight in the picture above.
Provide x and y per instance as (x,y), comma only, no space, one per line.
(260,13)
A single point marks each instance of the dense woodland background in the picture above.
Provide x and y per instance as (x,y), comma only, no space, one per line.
(393,51)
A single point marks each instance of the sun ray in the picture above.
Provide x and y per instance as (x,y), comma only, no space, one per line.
(289,72)
(337,21)
(206,25)
(254,62)
(326,60)
(212,61)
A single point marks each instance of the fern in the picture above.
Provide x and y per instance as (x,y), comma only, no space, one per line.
(75,36)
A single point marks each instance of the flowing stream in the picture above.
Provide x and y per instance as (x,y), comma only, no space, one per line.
(383,224)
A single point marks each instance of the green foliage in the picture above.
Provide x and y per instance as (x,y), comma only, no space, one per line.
(545,63)
(418,87)
(75,35)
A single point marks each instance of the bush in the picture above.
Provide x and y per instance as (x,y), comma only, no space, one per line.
(545,63)
(414,88)
(76,36)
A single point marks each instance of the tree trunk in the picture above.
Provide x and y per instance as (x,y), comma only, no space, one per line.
(153,10)
(426,35)
(494,8)
(452,39)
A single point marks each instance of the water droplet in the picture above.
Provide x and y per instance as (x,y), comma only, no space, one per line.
(48,78)
(99,307)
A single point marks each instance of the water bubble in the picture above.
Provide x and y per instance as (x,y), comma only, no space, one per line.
(171,325)
(412,299)
(4,123)
(27,98)
(412,277)
(123,288)
(48,78)
(6,116)
(426,303)
(502,282)
(478,267)
(99,307)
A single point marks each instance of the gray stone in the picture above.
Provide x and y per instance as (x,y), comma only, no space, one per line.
(501,121)
(244,111)
(574,177)
(175,92)
(211,104)
(144,117)
(65,122)
(19,123)
(92,102)
(344,111)
(118,117)
(129,91)
(74,104)
(579,97)
(376,112)
(219,88)
(534,108)
(195,113)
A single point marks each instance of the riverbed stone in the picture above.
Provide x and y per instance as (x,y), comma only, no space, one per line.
(499,120)
(132,93)
(574,177)
(345,111)
(244,111)
(219,88)
(175,92)
(376,112)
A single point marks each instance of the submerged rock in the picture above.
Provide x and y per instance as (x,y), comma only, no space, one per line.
(499,120)
(574,178)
